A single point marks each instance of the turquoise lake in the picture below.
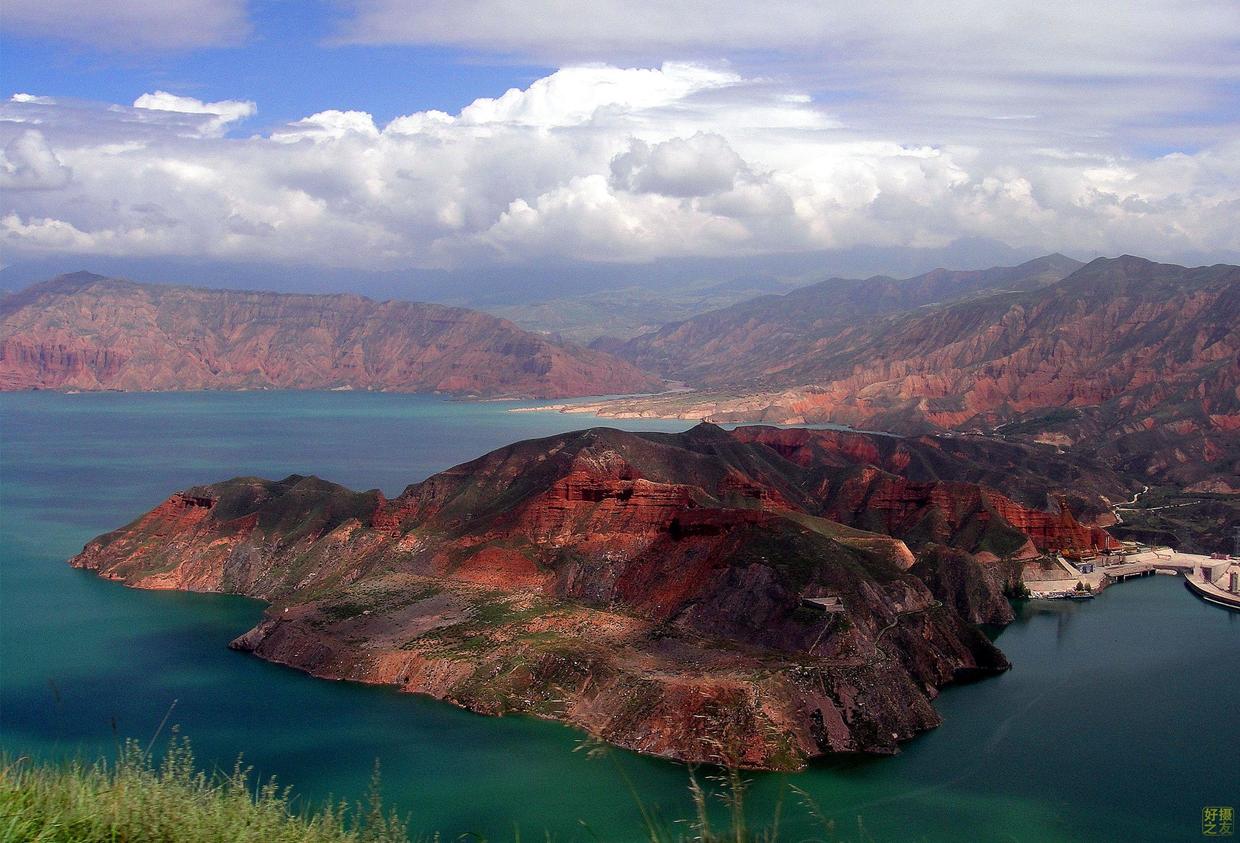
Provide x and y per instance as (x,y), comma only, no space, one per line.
(1117,722)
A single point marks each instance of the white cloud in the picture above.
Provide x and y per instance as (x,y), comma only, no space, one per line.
(528,24)
(130,25)
(593,92)
(950,70)
(590,162)
(221,113)
(32,98)
(328,126)
(701,165)
(1103,37)
(121,126)
(28,163)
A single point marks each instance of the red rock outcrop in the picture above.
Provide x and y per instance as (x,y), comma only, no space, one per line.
(86,332)
(653,589)
(1038,478)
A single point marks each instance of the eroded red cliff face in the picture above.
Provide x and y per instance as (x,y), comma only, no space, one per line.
(1029,483)
(656,590)
(959,515)
(86,332)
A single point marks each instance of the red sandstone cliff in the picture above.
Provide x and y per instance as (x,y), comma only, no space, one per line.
(1036,476)
(86,332)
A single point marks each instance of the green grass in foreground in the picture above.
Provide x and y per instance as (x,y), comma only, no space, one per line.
(133,800)
(137,799)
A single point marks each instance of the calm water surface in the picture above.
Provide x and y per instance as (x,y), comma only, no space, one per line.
(1117,723)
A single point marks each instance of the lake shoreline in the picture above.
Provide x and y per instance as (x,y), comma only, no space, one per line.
(78,465)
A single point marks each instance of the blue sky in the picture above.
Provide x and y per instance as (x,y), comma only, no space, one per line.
(393,134)
(285,64)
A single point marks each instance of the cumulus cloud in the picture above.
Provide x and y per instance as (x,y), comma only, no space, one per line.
(28,163)
(951,69)
(592,162)
(220,113)
(701,165)
(327,126)
(130,25)
(592,93)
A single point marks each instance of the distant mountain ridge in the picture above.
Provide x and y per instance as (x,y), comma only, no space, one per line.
(86,332)
(630,311)
(758,338)
(1133,360)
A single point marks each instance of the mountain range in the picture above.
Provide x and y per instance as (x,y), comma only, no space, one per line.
(1127,361)
(630,311)
(86,332)
(1130,360)
(758,338)
(755,597)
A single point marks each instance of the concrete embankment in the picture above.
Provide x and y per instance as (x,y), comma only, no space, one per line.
(1212,593)
(1208,577)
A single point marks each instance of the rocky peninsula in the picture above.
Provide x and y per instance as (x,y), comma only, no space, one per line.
(756,597)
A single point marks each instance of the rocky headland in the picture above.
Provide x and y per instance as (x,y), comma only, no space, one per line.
(756,597)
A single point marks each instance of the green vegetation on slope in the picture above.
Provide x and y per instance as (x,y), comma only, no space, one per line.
(137,799)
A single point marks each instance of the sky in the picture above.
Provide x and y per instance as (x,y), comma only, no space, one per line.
(381,135)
